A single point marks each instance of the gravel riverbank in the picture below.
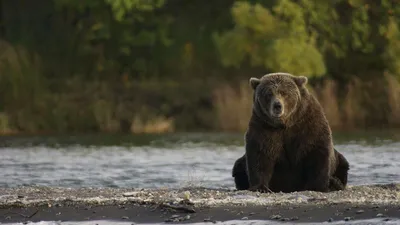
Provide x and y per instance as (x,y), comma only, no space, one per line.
(196,204)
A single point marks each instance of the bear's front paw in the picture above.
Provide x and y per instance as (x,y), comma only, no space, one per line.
(260,188)
(335,184)
(318,187)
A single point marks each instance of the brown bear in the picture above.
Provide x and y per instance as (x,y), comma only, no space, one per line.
(337,182)
(288,143)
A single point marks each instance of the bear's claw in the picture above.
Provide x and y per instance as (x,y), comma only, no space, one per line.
(260,188)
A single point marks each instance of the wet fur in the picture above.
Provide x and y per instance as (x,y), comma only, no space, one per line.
(295,153)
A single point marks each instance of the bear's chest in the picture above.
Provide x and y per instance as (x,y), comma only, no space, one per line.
(290,155)
(293,148)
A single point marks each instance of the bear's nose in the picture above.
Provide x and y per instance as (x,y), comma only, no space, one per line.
(277,106)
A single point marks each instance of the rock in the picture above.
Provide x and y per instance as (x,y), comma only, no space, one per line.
(245,218)
(124,217)
(174,216)
(379,215)
(130,194)
(330,220)
(187,217)
(360,211)
(276,217)
(186,195)
(347,218)
(294,218)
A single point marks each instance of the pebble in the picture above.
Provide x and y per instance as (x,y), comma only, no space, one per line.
(245,218)
(360,211)
(330,220)
(186,195)
(379,215)
(347,218)
(276,217)
(124,217)
(294,218)
(130,194)
(187,217)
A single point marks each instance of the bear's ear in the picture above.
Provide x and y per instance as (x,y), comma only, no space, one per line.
(254,82)
(300,80)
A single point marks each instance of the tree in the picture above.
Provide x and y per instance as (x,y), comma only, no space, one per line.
(277,39)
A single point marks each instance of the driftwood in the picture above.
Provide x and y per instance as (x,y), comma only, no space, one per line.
(178,207)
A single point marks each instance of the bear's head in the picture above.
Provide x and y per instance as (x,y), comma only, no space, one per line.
(277,96)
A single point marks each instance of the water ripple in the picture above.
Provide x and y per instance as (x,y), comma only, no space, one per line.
(171,165)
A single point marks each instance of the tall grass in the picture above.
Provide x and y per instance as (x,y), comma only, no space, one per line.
(158,124)
(233,106)
(327,96)
(22,85)
(393,99)
(28,103)
(358,105)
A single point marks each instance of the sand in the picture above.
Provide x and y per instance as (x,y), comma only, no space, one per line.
(189,205)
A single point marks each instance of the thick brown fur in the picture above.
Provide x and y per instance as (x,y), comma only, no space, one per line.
(288,142)
(338,181)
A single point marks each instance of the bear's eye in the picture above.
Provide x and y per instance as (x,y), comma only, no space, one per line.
(268,94)
(284,93)
(265,92)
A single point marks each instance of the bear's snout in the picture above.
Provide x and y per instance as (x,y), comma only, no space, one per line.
(276,108)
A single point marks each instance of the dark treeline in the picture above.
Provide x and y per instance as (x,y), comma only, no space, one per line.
(175,65)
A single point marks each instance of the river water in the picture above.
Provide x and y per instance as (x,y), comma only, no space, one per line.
(174,160)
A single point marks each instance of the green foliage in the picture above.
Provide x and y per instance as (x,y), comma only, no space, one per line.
(119,32)
(277,39)
(53,55)
(392,52)
(122,7)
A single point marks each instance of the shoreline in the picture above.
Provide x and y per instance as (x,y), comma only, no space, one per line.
(157,214)
(191,205)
